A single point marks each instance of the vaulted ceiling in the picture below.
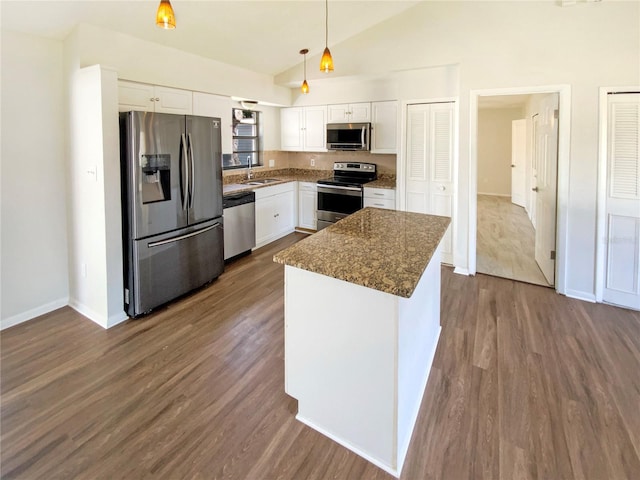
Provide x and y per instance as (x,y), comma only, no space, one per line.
(263,36)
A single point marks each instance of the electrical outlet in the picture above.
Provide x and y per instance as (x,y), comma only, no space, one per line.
(313,162)
(272,163)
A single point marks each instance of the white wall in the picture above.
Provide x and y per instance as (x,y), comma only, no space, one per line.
(144,61)
(434,82)
(95,235)
(514,44)
(33,256)
(494,149)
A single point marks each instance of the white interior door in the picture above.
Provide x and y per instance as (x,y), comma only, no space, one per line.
(622,259)
(518,162)
(533,173)
(546,187)
(429,187)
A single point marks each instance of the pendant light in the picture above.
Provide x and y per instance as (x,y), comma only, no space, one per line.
(165,18)
(305,86)
(326,62)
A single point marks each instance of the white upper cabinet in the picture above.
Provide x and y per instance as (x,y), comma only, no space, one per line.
(152,98)
(347,113)
(208,105)
(384,126)
(173,100)
(135,96)
(303,129)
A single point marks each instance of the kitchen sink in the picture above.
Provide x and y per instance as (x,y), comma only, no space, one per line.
(261,181)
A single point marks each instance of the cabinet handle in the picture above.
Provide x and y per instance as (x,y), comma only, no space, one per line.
(157,99)
(152,99)
(379,194)
(443,188)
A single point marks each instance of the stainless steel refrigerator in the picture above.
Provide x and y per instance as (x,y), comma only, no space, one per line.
(171,204)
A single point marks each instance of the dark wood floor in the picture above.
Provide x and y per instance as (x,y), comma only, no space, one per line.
(525,384)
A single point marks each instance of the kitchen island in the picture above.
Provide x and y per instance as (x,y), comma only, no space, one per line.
(362,322)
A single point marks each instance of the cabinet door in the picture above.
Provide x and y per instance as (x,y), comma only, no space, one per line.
(307,206)
(135,96)
(384,124)
(208,105)
(315,129)
(338,113)
(283,213)
(173,100)
(265,219)
(291,138)
(360,112)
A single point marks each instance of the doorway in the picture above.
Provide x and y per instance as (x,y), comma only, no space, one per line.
(512,150)
(518,227)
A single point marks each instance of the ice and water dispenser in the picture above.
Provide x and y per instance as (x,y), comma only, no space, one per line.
(156,178)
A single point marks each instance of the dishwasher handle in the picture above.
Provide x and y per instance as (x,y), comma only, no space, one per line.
(229,201)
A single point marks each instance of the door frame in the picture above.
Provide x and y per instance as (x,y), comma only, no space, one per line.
(601,201)
(564,139)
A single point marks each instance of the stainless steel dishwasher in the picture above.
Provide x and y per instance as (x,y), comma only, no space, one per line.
(239,223)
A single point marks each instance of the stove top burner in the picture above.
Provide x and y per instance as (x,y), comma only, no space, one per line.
(344,181)
(350,174)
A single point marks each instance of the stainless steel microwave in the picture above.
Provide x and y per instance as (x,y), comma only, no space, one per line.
(348,136)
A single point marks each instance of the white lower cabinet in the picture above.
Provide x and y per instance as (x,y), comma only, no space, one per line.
(379,198)
(275,212)
(307,205)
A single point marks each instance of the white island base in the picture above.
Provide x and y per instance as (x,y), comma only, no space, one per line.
(358,359)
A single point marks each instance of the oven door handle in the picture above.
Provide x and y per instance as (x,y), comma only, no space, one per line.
(328,189)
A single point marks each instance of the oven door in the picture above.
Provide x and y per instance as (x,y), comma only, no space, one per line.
(336,202)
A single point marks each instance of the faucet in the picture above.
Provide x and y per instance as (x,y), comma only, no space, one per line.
(249,170)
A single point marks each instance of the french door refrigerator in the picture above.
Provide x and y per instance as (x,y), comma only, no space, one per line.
(172,206)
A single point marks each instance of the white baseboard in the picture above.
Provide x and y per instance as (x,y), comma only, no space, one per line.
(461,271)
(348,446)
(33,313)
(117,318)
(95,317)
(585,296)
(495,194)
(88,312)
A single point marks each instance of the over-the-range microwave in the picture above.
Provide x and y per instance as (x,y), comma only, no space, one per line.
(348,136)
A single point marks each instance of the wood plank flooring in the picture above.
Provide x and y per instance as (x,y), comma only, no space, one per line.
(506,241)
(525,384)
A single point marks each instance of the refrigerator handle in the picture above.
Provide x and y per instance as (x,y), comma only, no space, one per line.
(182,237)
(192,178)
(184,172)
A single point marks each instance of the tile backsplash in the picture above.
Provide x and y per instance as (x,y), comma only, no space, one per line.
(322,161)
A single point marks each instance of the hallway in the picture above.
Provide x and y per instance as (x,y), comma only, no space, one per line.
(506,241)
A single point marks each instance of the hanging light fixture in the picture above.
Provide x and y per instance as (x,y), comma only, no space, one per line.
(305,86)
(326,62)
(165,18)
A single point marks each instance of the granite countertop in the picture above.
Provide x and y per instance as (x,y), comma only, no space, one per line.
(234,183)
(386,250)
(383,181)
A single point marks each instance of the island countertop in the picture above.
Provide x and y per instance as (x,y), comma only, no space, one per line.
(386,250)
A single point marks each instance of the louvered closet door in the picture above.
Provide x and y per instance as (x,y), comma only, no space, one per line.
(622,269)
(430,164)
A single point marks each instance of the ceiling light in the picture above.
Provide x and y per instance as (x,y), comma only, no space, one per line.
(165,18)
(305,86)
(326,62)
